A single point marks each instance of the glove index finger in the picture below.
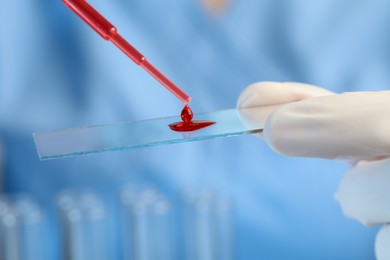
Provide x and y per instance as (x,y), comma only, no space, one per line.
(345,126)
(277,93)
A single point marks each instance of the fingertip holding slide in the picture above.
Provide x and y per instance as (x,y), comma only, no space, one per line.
(277,93)
(271,96)
(344,127)
(293,130)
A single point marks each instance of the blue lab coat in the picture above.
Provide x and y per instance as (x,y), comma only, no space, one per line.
(55,72)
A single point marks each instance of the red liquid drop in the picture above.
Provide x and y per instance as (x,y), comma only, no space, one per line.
(188,125)
(187,114)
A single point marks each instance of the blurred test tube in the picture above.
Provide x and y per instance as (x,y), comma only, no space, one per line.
(96,227)
(224,228)
(147,224)
(9,242)
(83,222)
(69,217)
(3,211)
(128,196)
(32,228)
(142,216)
(162,229)
(207,228)
(22,227)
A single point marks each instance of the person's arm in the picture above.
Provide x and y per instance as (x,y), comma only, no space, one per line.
(352,127)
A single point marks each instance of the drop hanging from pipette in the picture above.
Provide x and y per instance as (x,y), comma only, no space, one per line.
(188,124)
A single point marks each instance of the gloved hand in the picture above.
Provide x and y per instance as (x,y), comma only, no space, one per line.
(353,127)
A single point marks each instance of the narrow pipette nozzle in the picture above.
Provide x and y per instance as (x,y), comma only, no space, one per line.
(109,32)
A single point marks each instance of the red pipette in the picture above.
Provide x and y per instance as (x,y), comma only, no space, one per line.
(108,31)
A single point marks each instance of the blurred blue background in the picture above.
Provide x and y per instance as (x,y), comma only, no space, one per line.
(56,72)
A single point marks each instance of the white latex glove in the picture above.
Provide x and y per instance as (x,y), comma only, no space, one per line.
(354,127)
